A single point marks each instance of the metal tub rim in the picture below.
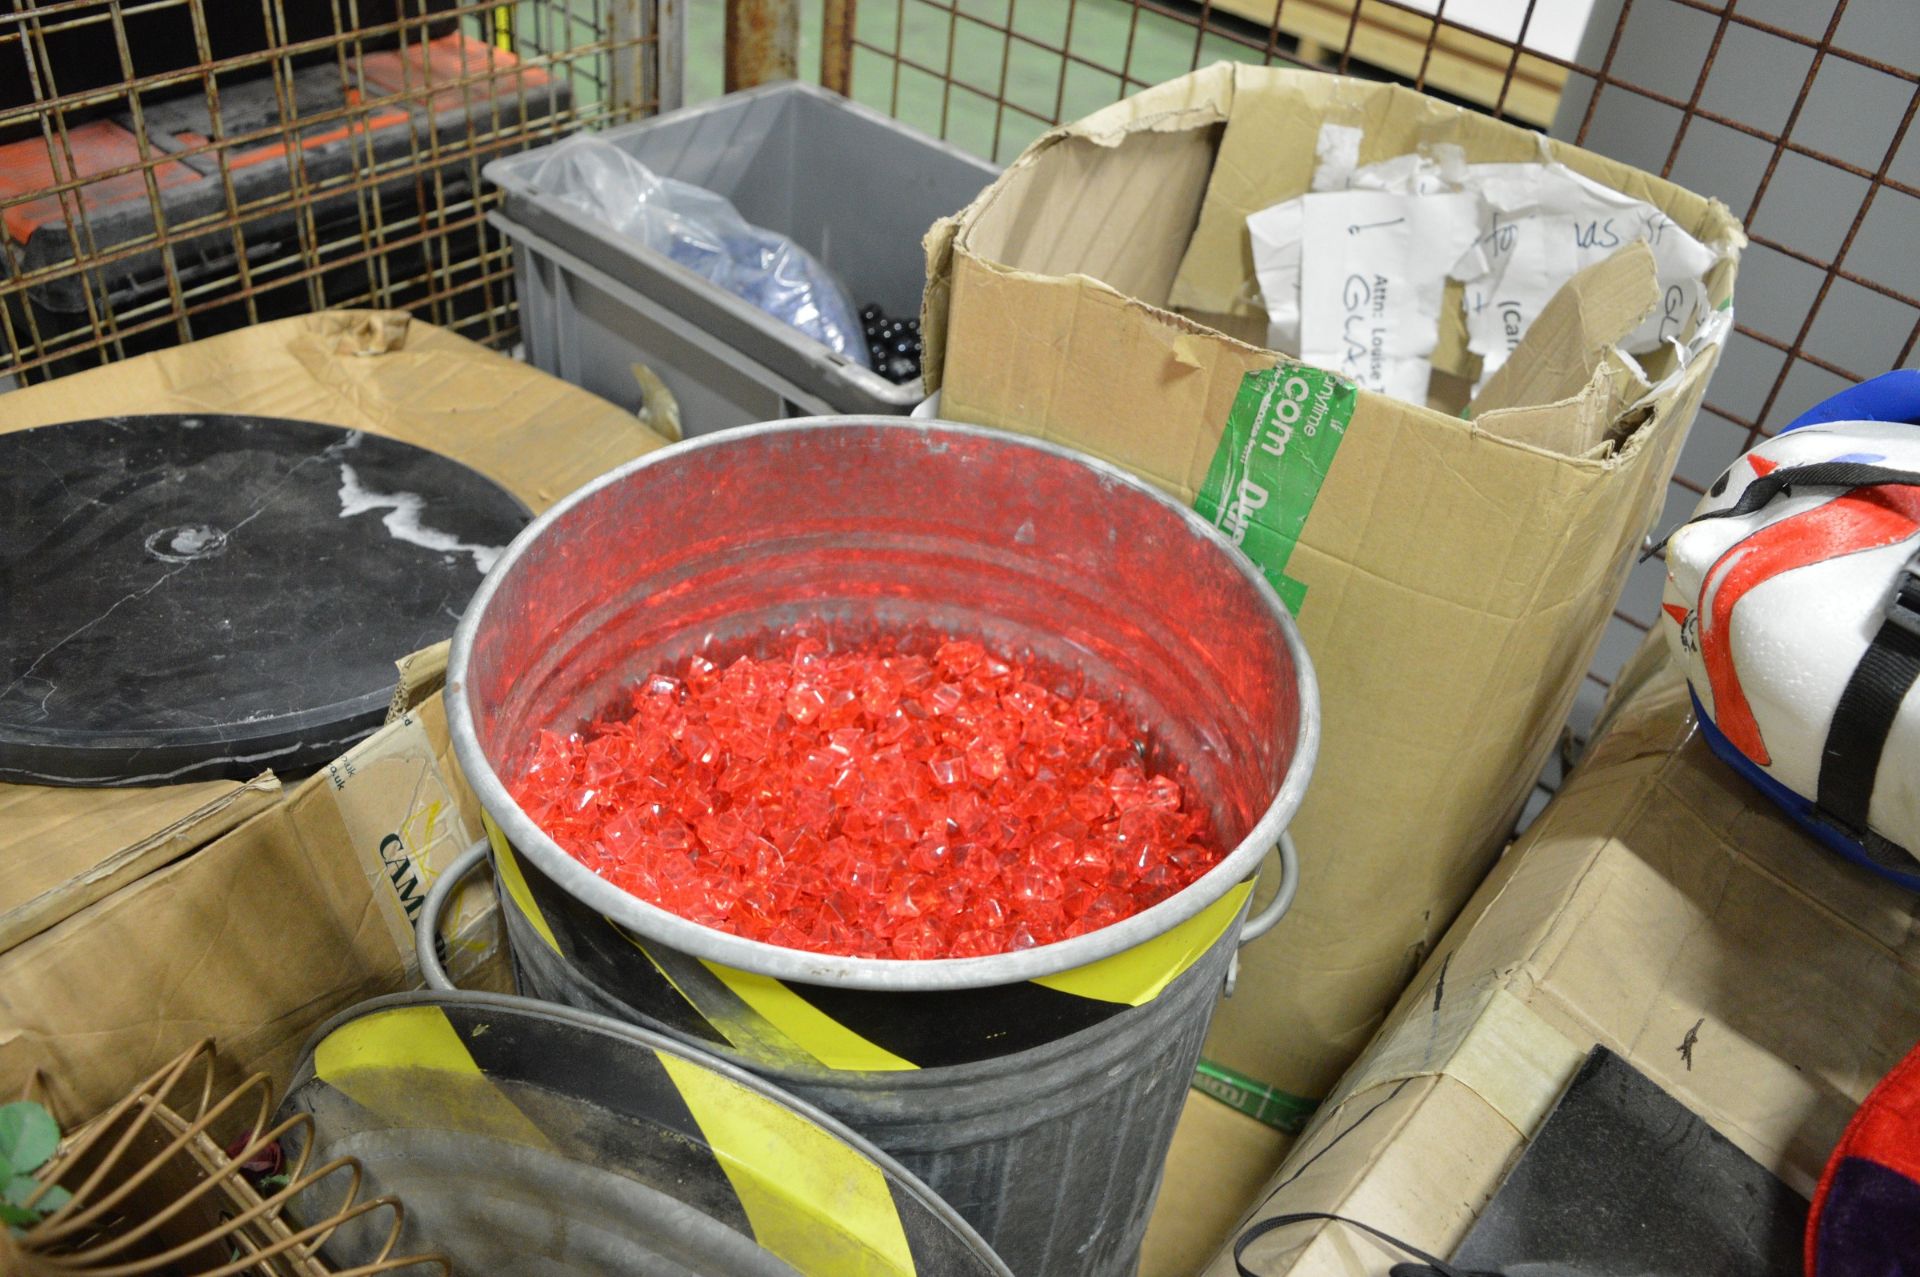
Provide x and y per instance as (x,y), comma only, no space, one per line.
(897,974)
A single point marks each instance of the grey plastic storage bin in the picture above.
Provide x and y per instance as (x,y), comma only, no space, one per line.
(587,328)
(853,187)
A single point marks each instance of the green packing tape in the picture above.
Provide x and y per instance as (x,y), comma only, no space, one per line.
(1285,425)
(1257,1100)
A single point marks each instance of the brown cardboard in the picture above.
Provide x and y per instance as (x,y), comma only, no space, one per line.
(258,936)
(1660,907)
(1458,573)
(54,866)
(1573,335)
(378,371)
(399,802)
(1219,1161)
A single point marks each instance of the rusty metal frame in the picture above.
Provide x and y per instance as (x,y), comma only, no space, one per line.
(763,42)
(413,233)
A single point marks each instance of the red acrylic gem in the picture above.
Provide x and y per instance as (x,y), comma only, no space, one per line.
(873,801)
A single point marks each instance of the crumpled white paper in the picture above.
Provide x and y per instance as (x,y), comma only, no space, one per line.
(1543,224)
(1513,234)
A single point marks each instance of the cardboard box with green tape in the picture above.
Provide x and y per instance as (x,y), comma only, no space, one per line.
(1451,564)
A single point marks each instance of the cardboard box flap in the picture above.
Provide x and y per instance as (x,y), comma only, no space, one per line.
(70,847)
(1197,101)
(1590,425)
(1584,321)
(1124,224)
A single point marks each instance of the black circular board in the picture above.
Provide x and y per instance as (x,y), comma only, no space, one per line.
(195,597)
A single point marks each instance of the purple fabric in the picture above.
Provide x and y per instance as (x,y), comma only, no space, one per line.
(1869,1225)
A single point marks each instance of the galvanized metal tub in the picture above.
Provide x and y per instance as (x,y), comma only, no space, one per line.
(1036,1091)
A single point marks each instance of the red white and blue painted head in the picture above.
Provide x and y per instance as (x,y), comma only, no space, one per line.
(1793,602)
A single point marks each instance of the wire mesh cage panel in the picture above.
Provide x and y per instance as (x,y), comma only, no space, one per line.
(1797,113)
(174,168)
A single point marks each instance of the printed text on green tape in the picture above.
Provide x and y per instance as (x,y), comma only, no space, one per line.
(1285,426)
(1256,1099)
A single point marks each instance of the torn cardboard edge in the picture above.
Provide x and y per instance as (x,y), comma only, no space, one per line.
(1576,331)
(422,673)
(1594,439)
(1603,430)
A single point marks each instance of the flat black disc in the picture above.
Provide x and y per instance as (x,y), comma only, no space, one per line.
(195,597)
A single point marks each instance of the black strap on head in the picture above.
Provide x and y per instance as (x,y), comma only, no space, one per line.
(1428,1265)
(1865,715)
(1820,474)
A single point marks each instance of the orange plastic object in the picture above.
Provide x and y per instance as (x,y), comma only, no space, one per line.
(99,146)
(448,60)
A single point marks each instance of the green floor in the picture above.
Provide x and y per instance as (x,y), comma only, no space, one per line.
(970,62)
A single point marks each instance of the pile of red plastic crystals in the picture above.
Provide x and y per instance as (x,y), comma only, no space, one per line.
(871,802)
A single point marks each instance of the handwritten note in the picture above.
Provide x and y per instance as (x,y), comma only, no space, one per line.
(1373,271)
(1543,224)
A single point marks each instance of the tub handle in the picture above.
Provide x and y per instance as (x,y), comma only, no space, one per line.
(1258,924)
(427,926)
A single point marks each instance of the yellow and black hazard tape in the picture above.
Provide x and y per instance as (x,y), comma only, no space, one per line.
(808,1027)
(741,1157)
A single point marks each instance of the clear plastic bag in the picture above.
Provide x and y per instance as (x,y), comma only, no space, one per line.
(705,233)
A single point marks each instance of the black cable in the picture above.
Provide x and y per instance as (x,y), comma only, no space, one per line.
(1427,1265)
(1821,474)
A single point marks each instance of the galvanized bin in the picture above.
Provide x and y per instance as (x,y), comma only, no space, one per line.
(1035,1091)
(851,186)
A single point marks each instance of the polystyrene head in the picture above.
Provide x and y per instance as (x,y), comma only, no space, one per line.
(1784,603)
